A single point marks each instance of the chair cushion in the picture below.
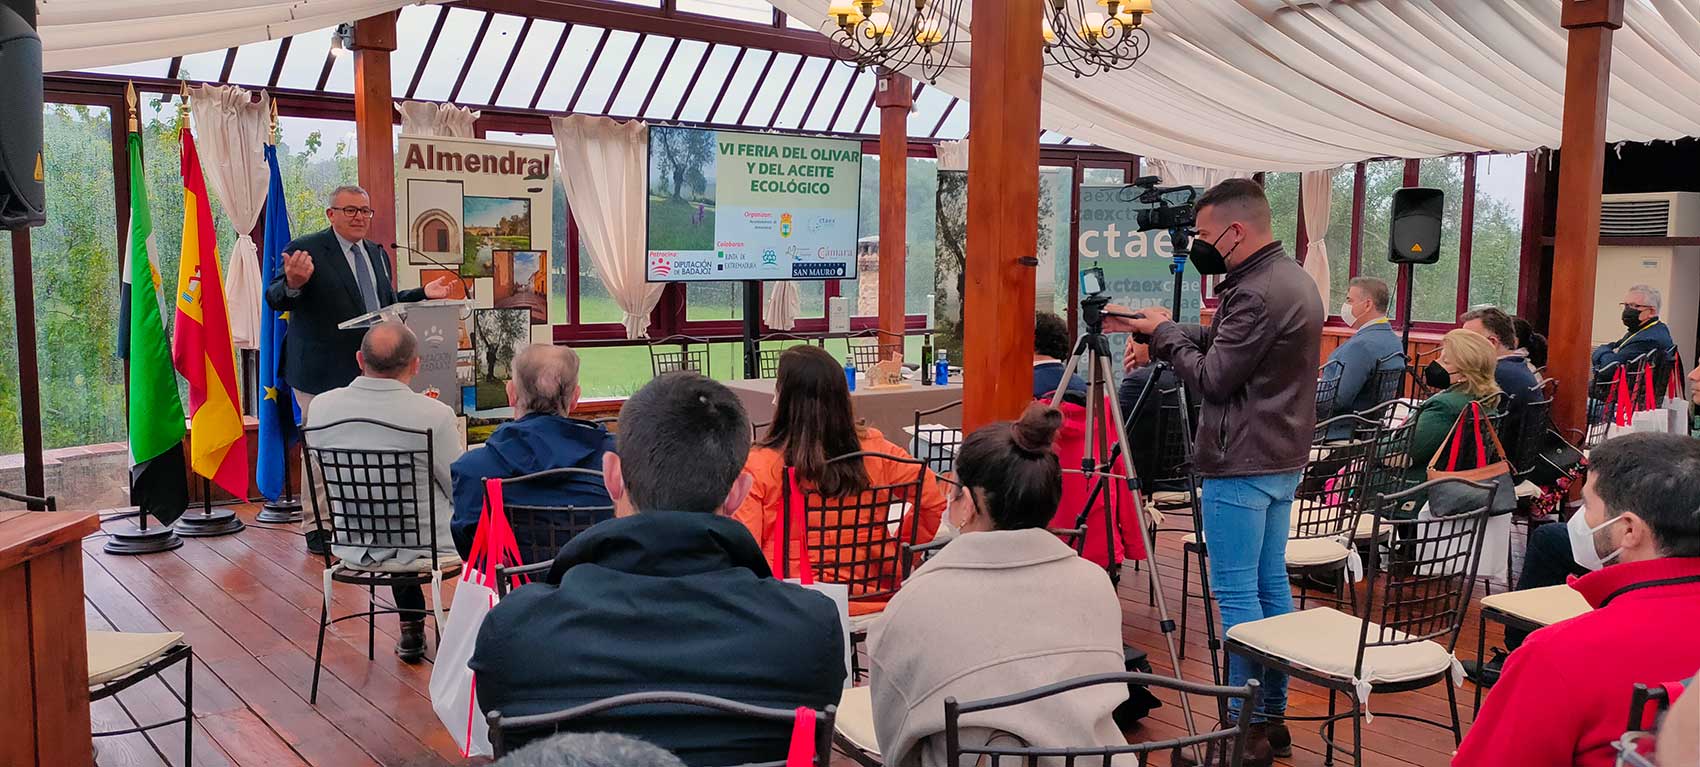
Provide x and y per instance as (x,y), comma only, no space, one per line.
(113,654)
(1325,640)
(1171,499)
(855,722)
(1546,605)
(1307,552)
(863,622)
(445,563)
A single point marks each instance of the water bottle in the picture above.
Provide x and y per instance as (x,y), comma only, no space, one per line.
(927,360)
(850,372)
(941,375)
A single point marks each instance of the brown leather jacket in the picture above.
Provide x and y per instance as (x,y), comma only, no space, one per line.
(1254,368)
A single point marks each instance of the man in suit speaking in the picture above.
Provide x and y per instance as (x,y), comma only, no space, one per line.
(329,277)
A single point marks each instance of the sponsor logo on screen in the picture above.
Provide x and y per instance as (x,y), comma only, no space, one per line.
(833,254)
(769,258)
(785,225)
(822,222)
(805,269)
(660,266)
(692,268)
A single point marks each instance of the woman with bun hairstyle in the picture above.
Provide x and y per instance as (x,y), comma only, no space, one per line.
(1005,607)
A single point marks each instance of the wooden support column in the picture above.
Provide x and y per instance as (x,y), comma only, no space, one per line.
(1581,175)
(895,96)
(1003,192)
(374,118)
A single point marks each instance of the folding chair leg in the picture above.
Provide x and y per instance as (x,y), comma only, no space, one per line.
(371,622)
(189,710)
(1452,705)
(319,654)
(1328,730)
(1481,651)
(1357,732)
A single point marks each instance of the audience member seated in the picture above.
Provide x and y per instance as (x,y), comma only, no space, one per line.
(1645,331)
(1564,695)
(1461,374)
(671,595)
(543,435)
(389,359)
(1003,608)
(1511,370)
(600,749)
(1532,345)
(1356,361)
(812,424)
(1051,348)
(1142,426)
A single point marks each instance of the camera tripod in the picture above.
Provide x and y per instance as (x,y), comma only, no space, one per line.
(1107,443)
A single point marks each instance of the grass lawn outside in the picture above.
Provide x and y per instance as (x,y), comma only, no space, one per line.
(674,224)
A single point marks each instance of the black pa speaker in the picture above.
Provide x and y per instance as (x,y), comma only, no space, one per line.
(1415,235)
(22,198)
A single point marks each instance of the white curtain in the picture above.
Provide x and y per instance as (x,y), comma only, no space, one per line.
(953,155)
(1316,188)
(1182,173)
(230,134)
(603,166)
(429,118)
(783,302)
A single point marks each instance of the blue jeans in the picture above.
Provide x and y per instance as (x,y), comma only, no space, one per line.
(1246,524)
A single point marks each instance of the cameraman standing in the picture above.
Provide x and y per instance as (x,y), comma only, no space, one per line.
(1255,370)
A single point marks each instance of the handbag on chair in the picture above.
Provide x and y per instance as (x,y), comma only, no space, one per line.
(1450,499)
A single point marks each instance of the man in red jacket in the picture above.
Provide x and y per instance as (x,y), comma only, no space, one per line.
(1564,695)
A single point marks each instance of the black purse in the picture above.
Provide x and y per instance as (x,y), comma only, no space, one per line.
(1450,499)
(1555,460)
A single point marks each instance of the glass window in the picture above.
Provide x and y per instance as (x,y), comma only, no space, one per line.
(209,65)
(413,28)
(833,92)
(490,58)
(757,11)
(929,107)
(254,62)
(616,55)
(739,89)
(342,75)
(613,371)
(767,98)
(77,269)
(315,157)
(1380,179)
(1435,286)
(1056,203)
(955,123)
(714,301)
(448,56)
(595,304)
(527,69)
(306,59)
(715,73)
(859,103)
(808,81)
(921,226)
(1496,248)
(569,68)
(1339,238)
(1100,176)
(1283,192)
(646,66)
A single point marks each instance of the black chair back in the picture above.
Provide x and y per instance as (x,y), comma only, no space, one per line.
(1327,389)
(1421,583)
(1526,433)
(849,538)
(541,530)
(1423,390)
(510,732)
(1644,697)
(1329,497)
(665,358)
(510,578)
(938,444)
(874,347)
(373,496)
(1394,430)
(1225,746)
(1388,380)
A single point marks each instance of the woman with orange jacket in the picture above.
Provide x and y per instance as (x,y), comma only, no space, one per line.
(812,424)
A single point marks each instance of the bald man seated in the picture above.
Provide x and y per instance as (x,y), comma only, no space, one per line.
(543,435)
(389,359)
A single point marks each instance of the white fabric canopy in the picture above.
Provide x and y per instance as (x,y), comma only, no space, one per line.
(603,166)
(79,34)
(1284,85)
(230,134)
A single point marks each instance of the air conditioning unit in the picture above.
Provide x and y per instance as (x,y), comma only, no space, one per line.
(1672,269)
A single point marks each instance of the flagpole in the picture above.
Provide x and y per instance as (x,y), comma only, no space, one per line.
(287,508)
(138,538)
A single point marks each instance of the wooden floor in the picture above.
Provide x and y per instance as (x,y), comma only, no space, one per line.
(249,605)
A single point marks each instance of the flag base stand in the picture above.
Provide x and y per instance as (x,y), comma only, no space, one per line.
(210,521)
(281,512)
(137,539)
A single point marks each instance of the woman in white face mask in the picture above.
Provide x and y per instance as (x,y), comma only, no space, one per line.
(1004,608)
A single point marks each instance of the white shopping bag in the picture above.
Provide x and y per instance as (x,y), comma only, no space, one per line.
(1676,404)
(839,593)
(1649,417)
(454,693)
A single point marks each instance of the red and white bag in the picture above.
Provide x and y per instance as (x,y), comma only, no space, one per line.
(1676,404)
(1621,419)
(1649,417)
(802,752)
(454,693)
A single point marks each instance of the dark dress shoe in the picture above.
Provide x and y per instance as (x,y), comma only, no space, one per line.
(318,542)
(1280,739)
(1486,673)
(411,646)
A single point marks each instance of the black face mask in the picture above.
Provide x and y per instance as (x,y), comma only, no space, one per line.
(1206,259)
(1436,376)
(1631,317)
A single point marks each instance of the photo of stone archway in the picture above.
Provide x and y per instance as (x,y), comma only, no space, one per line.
(435,234)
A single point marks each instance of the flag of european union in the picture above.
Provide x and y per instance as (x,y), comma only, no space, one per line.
(277,409)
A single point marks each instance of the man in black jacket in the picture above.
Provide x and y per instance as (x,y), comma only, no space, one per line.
(671,595)
(1254,368)
(329,277)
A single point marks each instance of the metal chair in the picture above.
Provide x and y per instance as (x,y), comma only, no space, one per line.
(1327,389)
(1327,506)
(119,660)
(665,360)
(1167,468)
(937,444)
(767,360)
(1413,609)
(873,347)
(510,578)
(849,538)
(1630,751)
(1388,380)
(1225,746)
(372,497)
(1420,384)
(510,732)
(47,502)
(609,422)
(541,530)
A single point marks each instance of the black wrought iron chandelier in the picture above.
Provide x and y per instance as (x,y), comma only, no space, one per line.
(1085,37)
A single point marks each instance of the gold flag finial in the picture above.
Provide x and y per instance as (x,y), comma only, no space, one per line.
(130,106)
(273,134)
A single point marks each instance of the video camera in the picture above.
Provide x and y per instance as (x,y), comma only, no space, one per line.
(1164,213)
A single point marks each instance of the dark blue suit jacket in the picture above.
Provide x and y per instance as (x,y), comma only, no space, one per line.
(1654,335)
